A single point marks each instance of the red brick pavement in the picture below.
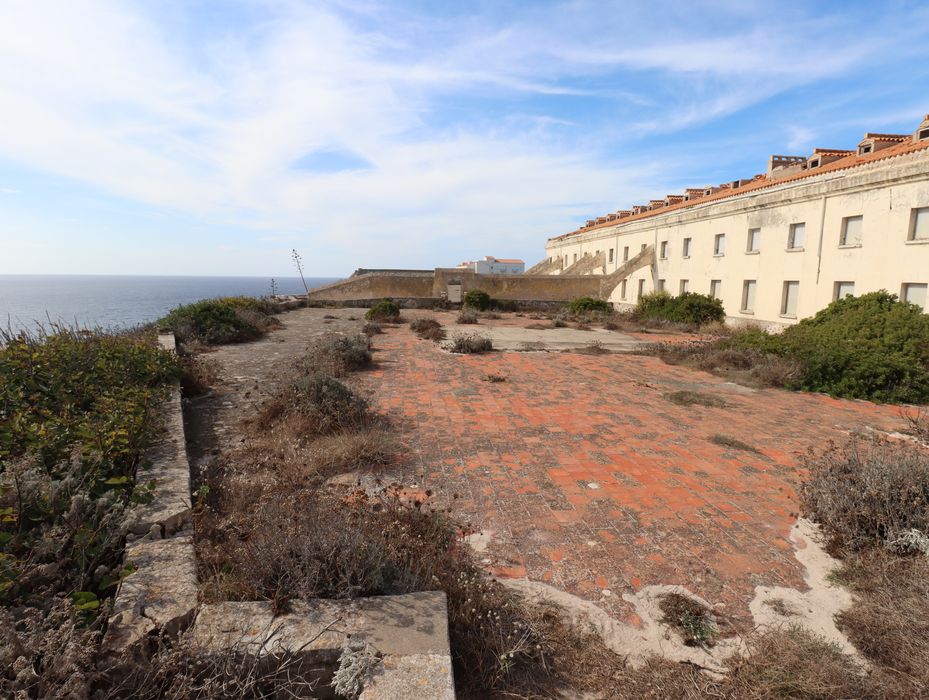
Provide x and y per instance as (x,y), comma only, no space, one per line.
(589,479)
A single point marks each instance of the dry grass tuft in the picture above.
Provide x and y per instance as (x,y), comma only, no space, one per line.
(337,355)
(693,621)
(889,622)
(695,398)
(868,493)
(470,343)
(735,444)
(467,317)
(372,328)
(428,329)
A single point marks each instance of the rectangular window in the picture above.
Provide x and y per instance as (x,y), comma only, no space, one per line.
(716,288)
(575,257)
(915,294)
(797,236)
(789,299)
(719,244)
(660,286)
(842,290)
(622,289)
(664,250)
(919,224)
(625,253)
(644,246)
(611,255)
(851,230)
(686,248)
(753,244)
(641,288)
(685,286)
(748,296)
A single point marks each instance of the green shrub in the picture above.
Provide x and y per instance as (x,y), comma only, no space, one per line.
(384,310)
(218,321)
(583,305)
(868,347)
(477,299)
(77,410)
(691,308)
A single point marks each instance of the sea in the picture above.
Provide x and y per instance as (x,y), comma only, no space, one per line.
(28,302)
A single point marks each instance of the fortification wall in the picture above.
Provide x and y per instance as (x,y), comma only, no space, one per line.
(377,285)
(519,287)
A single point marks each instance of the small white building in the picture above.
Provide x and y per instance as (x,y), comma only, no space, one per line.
(495,266)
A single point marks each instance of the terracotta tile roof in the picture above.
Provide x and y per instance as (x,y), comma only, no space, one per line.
(511,261)
(853,160)
(887,137)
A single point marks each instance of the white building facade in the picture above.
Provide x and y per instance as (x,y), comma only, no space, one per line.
(781,246)
(496,266)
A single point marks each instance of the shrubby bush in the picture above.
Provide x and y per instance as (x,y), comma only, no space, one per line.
(324,404)
(386,310)
(222,320)
(467,317)
(428,329)
(470,343)
(869,493)
(869,347)
(689,307)
(586,305)
(337,355)
(477,299)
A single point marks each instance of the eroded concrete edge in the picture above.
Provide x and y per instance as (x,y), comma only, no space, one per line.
(408,632)
(160,596)
(814,609)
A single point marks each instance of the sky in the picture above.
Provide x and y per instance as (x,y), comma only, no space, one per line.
(202,137)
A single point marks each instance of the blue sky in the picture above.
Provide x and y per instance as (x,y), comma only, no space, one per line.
(202,137)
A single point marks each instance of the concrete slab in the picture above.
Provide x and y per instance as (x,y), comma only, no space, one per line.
(161,595)
(170,510)
(408,632)
(511,338)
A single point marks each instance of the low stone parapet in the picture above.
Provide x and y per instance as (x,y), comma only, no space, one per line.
(407,635)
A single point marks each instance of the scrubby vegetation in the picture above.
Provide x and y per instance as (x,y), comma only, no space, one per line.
(77,411)
(467,317)
(687,308)
(337,355)
(871,347)
(470,343)
(384,311)
(693,621)
(477,299)
(584,305)
(868,494)
(222,320)
(428,329)
(871,498)
(695,398)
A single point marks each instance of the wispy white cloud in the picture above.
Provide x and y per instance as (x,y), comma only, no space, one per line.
(211,123)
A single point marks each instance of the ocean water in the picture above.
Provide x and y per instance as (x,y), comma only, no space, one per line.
(120,301)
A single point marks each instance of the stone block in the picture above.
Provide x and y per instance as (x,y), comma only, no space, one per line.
(409,632)
(159,596)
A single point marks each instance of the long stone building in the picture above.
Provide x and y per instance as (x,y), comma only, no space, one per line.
(775,247)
